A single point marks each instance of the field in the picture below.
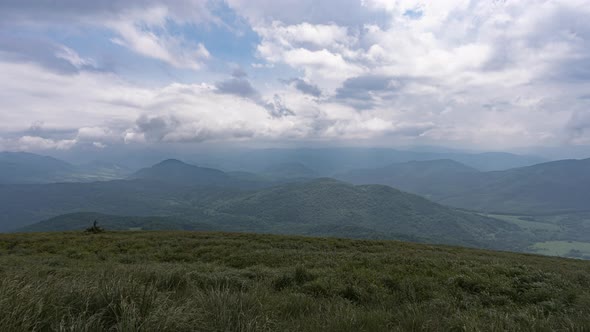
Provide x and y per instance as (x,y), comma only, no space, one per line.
(563,248)
(187,281)
(564,235)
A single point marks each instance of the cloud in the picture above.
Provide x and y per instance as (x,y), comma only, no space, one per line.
(143,26)
(53,56)
(238,86)
(142,37)
(304,87)
(476,74)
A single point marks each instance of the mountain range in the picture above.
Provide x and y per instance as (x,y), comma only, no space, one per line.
(547,188)
(454,205)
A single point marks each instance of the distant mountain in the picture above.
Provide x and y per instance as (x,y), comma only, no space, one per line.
(23,167)
(494,161)
(177,172)
(553,187)
(290,171)
(432,179)
(330,161)
(83,220)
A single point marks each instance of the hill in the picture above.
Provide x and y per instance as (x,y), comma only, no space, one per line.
(22,205)
(322,207)
(330,161)
(553,187)
(175,281)
(177,172)
(340,209)
(431,178)
(83,220)
(548,188)
(23,167)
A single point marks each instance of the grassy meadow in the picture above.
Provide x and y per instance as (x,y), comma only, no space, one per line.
(198,281)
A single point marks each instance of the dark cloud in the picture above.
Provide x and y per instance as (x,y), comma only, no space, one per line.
(304,87)
(155,128)
(239,73)
(168,128)
(240,86)
(237,86)
(276,108)
(359,91)
(59,11)
(42,52)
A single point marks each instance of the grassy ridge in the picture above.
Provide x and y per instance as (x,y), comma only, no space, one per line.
(186,281)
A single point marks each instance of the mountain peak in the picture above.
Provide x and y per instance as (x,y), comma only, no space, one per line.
(170,162)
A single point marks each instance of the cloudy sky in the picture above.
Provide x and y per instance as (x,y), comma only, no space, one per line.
(489,74)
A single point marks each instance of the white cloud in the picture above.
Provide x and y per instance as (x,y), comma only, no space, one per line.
(476,73)
(140,37)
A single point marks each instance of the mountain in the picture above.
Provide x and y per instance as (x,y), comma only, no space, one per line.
(322,207)
(83,220)
(330,161)
(290,171)
(24,204)
(330,207)
(432,179)
(100,171)
(23,167)
(495,161)
(548,188)
(177,172)
(553,187)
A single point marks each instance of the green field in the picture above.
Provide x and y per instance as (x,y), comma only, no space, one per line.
(563,248)
(193,281)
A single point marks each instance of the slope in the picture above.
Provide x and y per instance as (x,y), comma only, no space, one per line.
(177,172)
(548,188)
(330,207)
(23,167)
(433,179)
(175,281)
(83,220)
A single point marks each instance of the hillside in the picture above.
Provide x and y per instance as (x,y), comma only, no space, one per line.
(176,281)
(83,220)
(432,178)
(554,187)
(549,188)
(177,172)
(322,207)
(23,205)
(23,167)
(370,210)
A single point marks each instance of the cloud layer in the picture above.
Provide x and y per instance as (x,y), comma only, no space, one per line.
(469,73)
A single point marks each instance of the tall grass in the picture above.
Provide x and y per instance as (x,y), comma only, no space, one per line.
(173,281)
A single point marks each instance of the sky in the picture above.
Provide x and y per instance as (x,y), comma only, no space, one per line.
(479,74)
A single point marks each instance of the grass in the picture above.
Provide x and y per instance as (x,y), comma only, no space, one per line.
(191,281)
